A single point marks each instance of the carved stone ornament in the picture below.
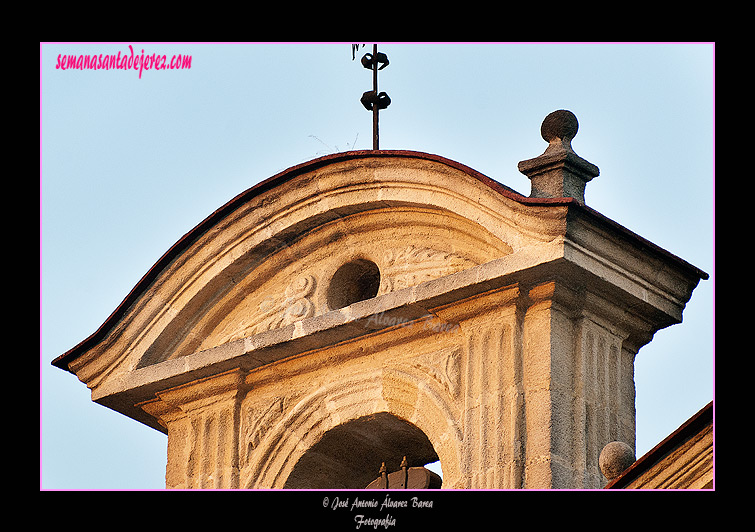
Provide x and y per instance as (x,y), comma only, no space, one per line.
(444,366)
(260,421)
(413,265)
(280,310)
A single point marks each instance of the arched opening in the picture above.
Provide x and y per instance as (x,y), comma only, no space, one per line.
(349,456)
(354,281)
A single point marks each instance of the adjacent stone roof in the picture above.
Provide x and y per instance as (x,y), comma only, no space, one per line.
(691,429)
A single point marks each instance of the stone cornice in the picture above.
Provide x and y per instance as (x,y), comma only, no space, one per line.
(395,310)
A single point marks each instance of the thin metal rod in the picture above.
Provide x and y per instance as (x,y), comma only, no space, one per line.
(375,107)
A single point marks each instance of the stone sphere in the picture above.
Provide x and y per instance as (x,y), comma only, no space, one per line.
(615,457)
(560,125)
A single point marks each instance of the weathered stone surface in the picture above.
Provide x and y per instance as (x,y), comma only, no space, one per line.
(372,305)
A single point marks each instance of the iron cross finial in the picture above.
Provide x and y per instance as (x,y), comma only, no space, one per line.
(373,100)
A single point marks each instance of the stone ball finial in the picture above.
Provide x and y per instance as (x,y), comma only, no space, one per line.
(615,458)
(559,172)
(559,125)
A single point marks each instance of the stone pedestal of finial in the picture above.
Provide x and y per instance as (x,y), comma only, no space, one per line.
(559,172)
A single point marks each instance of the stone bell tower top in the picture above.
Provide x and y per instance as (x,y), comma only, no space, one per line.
(559,172)
(370,305)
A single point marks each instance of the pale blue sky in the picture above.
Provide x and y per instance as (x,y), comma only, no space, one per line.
(129,165)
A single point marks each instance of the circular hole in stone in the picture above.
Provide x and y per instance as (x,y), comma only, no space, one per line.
(354,281)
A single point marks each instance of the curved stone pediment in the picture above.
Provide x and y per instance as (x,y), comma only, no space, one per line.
(349,245)
(406,246)
(267,259)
